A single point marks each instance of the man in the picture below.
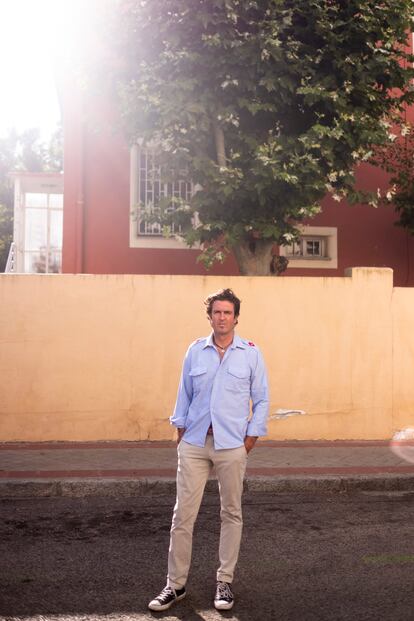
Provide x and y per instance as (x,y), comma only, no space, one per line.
(221,375)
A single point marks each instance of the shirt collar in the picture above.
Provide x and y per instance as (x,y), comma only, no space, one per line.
(237,342)
(209,341)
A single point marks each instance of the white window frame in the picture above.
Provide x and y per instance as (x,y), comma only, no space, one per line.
(49,250)
(49,184)
(137,240)
(328,235)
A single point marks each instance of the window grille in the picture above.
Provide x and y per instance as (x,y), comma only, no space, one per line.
(308,247)
(316,248)
(153,186)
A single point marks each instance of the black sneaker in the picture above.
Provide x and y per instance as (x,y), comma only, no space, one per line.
(166,598)
(224,598)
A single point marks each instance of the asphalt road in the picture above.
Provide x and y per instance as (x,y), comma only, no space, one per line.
(304,557)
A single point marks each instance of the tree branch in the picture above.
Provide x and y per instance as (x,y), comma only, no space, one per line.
(220,144)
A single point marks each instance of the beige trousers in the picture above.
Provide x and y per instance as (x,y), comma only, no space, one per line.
(194,466)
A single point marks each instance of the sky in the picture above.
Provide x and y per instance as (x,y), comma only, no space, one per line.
(29,36)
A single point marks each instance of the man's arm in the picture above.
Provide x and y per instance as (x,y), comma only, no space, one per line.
(259,393)
(180,433)
(249,442)
(184,397)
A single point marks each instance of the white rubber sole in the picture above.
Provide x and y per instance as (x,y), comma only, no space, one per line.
(223,605)
(155,607)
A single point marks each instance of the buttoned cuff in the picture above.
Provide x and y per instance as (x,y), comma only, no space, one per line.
(178,422)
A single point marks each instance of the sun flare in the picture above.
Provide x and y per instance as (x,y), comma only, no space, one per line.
(29,40)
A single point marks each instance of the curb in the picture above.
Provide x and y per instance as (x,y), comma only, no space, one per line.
(156,486)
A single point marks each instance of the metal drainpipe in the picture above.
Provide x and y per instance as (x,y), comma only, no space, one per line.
(80,203)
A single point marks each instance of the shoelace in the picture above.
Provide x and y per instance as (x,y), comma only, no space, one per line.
(165,594)
(224,591)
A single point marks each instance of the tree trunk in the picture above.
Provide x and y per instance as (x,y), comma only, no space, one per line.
(220,144)
(254,257)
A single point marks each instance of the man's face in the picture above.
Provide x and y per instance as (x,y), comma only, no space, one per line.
(222,317)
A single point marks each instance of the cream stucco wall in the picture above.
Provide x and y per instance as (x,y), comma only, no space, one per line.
(98,357)
(403,356)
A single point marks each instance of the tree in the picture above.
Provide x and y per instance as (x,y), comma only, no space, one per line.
(24,151)
(7,146)
(397,158)
(267,105)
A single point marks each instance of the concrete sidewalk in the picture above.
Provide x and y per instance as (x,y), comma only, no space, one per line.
(134,468)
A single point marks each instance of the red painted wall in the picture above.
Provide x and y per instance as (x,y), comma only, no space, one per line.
(96,211)
(367,236)
(96,195)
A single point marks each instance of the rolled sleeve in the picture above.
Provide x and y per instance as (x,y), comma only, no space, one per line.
(257,425)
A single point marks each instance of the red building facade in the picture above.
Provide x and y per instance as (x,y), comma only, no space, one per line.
(101,234)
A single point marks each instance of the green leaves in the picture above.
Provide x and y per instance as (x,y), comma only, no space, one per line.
(295,90)
(397,158)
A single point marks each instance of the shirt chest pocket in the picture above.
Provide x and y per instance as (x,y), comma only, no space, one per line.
(238,379)
(198,376)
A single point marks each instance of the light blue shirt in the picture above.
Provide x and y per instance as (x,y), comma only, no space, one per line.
(218,393)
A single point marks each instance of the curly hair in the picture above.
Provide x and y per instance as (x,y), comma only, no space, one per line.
(223,295)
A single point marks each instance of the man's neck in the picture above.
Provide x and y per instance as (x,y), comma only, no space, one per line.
(223,340)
